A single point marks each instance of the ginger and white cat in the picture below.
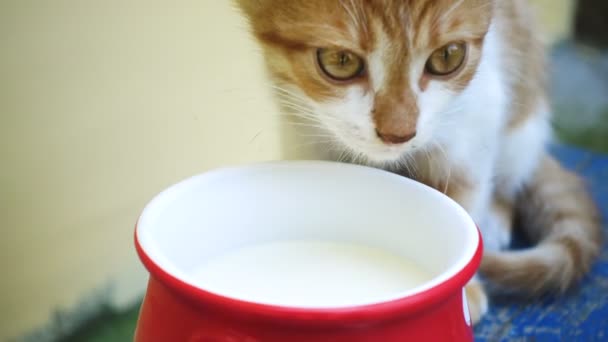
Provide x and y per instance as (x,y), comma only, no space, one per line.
(452,94)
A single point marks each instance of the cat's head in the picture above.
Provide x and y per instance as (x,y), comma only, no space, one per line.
(381,75)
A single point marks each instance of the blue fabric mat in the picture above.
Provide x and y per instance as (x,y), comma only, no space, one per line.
(582,314)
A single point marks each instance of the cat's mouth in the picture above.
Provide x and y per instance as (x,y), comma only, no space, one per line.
(377,151)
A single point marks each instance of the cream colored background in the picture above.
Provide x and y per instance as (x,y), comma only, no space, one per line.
(105,103)
(102,105)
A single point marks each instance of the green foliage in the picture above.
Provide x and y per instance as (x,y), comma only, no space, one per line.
(109,326)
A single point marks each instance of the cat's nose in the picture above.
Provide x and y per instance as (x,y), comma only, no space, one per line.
(394,138)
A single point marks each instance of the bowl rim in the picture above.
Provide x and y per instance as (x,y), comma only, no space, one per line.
(357,314)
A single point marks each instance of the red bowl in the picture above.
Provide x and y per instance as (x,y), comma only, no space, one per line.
(228,208)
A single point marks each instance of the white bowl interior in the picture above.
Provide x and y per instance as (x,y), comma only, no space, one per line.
(221,210)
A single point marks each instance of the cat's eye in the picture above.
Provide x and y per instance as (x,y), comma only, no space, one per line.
(340,65)
(446,59)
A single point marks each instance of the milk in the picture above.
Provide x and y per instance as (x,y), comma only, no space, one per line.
(309,274)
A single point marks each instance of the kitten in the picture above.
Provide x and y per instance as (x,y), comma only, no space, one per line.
(452,94)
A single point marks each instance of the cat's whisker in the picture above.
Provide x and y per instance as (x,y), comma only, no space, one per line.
(333,149)
(297,124)
(446,14)
(406,163)
(429,161)
(365,20)
(341,154)
(290,98)
(412,161)
(296,116)
(333,32)
(356,11)
(446,162)
(364,159)
(291,93)
(353,19)
(287,98)
(311,122)
(326,27)
(316,142)
(300,109)
(304,108)
(294,120)
(305,146)
(314,117)
(296,106)
(357,158)
(317,136)
(354,14)
(401,164)
(280,91)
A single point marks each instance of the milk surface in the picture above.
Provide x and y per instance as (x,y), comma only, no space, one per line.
(309,274)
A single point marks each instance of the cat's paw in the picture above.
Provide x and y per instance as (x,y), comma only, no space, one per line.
(496,227)
(477,300)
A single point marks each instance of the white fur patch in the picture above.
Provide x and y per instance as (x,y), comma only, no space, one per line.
(521,151)
(496,235)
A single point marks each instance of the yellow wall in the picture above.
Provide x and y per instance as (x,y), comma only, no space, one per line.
(556,17)
(102,105)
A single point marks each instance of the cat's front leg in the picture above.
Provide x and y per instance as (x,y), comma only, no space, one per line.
(475,198)
(477,299)
(496,226)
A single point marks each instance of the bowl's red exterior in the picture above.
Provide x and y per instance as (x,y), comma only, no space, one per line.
(174,311)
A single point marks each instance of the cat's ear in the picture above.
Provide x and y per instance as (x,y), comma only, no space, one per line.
(252,9)
(263,15)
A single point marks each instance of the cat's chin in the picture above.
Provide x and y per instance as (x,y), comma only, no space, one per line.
(387,164)
(373,152)
(377,157)
(386,160)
